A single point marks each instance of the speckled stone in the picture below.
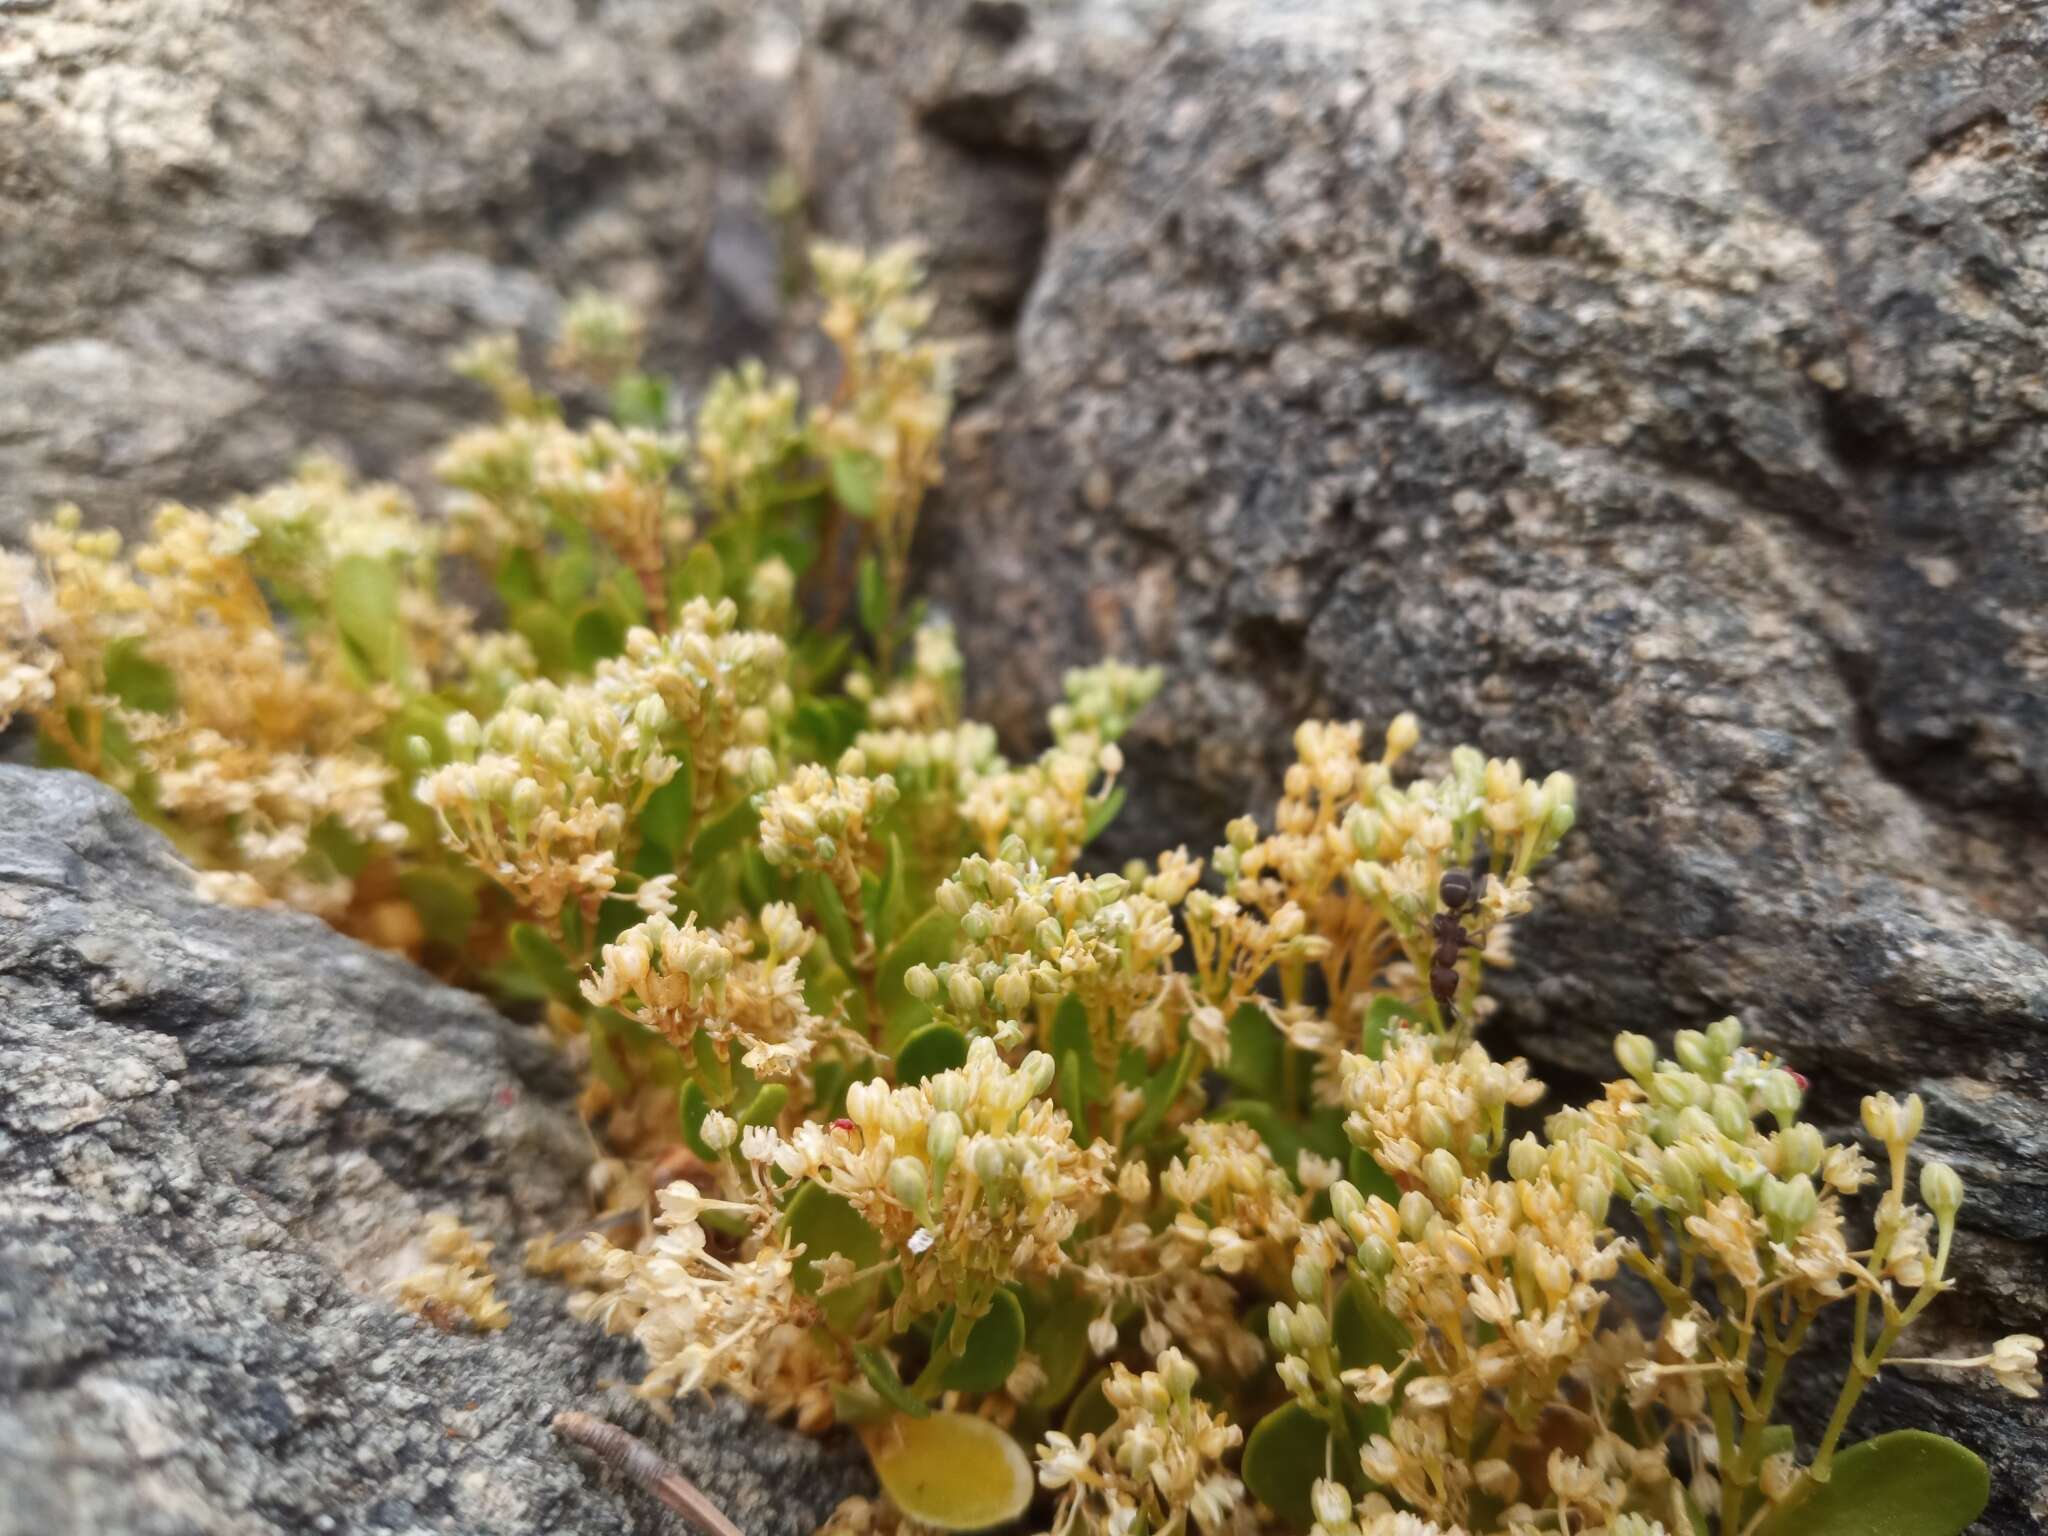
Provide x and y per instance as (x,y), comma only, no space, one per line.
(219,1132)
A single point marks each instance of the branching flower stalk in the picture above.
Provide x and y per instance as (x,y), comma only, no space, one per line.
(1180,1197)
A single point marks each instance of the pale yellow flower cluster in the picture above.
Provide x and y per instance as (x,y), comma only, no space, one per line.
(1234,948)
(1031,936)
(493,361)
(27,660)
(455,1288)
(1499,1286)
(1236,1210)
(1049,803)
(600,337)
(490,471)
(509,479)
(748,429)
(1144,1259)
(167,669)
(927,699)
(893,403)
(708,1320)
(619,483)
(819,820)
(1409,1104)
(293,534)
(541,797)
(682,979)
(972,1176)
(1159,1467)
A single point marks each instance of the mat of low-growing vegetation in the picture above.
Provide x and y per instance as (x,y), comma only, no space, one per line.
(1181,1195)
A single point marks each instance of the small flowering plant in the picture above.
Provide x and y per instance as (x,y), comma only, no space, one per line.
(1179,1196)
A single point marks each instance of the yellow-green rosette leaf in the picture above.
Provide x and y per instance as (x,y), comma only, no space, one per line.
(951,1471)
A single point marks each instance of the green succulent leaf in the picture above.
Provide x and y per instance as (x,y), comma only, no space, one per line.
(1256,1053)
(570,572)
(1380,1021)
(856,481)
(951,1471)
(1284,1455)
(825,1224)
(666,818)
(1102,812)
(1906,1483)
(931,1050)
(554,647)
(881,1375)
(1058,1336)
(1365,1333)
(767,1105)
(702,574)
(598,633)
(724,832)
(1162,1090)
(829,907)
(1090,1413)
(544,959)
(1070,1038)
(873,591)
(364,594)
(928,941)
(991,1350)
(518,579)
(137,681)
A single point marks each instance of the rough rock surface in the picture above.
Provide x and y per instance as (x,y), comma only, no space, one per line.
(1649,390)
(229,236)
(220,1131)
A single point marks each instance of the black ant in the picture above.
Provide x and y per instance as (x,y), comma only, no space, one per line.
(1459,890)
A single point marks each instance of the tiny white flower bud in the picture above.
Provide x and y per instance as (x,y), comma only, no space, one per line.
(1781,1095)
(963,987)
(464,734)
(1941,1190)
(719,1131)
(907,1183)
(1638,1057)
(1331,1502)
(943,1137)
(1440,1171)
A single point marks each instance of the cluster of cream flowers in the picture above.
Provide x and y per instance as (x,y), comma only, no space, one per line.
(815,819)
(972,1176)
(682,979)
(455,1287)
(542,797)
(747,430)
(1031,936)
(709,1317)
(163,670)
(1160,1464)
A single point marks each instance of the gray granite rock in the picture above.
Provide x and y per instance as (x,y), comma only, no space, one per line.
(219,1133)
(230,235)
(1648,390)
